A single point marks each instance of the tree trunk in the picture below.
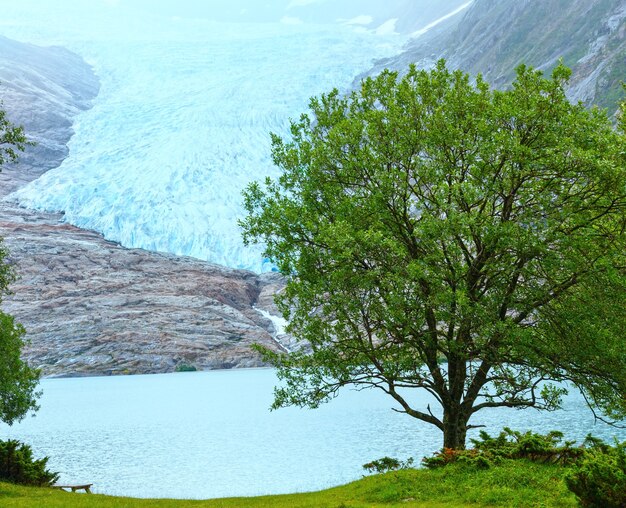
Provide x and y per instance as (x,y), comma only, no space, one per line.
(454,429)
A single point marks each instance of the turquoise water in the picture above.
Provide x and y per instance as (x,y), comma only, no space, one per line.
(210,434)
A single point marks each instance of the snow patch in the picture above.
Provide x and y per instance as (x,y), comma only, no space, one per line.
(280,326)
(428,27)
(387,28)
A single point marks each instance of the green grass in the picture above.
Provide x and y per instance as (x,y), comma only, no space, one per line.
(513,483)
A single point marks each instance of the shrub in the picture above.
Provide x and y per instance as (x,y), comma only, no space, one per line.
(599,477)
(530,445)
(387,464)
(446,456)
(185,367)
(509,444)
(17,465)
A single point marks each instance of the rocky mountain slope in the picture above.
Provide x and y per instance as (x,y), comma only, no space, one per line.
(42,89)
(409,15)
(492,37)
(93,307)
(90,306)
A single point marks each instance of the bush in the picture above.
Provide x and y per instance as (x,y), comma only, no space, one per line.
(387,464)
(17,465)
(185,367)
(530,445)
(509,444)
(599,477)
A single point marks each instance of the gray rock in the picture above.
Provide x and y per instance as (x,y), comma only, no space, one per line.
(42,89)
(493,37)
(92,307)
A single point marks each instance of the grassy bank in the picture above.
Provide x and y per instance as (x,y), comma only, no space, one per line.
(513,483)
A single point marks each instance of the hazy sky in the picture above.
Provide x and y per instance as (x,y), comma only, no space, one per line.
(403,16)
(319,11)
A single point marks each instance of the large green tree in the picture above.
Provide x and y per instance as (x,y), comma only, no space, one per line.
(18,382)
(440,235)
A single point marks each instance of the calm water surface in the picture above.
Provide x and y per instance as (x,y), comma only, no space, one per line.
(210,434)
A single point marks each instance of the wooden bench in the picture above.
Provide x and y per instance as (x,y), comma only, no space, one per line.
(86,487)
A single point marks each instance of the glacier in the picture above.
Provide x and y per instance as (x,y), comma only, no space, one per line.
(182,121)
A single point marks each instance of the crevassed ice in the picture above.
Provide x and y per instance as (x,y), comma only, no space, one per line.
(182,125)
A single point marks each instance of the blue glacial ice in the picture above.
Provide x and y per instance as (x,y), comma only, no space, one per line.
(182,121)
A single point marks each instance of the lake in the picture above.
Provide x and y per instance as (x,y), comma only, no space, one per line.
(211,434)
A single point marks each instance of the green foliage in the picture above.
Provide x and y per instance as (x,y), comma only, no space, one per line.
(17,380)
(596,472)
(509,444)
(185,367)
(513,483)
(473,458)
(530,445)
(12,139)
(386,464)
(17,465)
(599,478)
(428,217)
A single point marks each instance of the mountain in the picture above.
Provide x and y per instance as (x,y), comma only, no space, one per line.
(174,125)
(190,93)
(181,123)
(43,88)
(492,37)
(406,16)
(90,306)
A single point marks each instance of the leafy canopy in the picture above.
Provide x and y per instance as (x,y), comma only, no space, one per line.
(440,235)
(18,381)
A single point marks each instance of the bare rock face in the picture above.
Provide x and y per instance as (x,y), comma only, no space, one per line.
(92,307)
(493,37)
(42,89)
